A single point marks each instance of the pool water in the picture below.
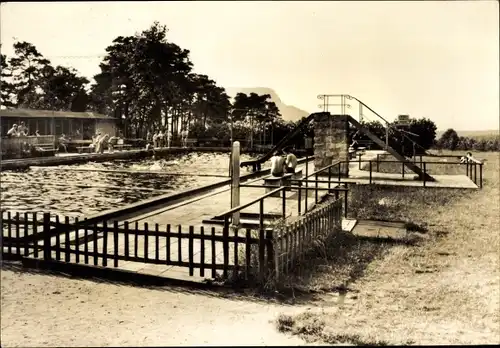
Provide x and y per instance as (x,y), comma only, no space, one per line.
(86,189)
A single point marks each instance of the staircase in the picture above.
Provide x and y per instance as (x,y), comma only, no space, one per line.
(409,164)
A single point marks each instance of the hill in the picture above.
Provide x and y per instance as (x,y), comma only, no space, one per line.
(483,134)
(288,112)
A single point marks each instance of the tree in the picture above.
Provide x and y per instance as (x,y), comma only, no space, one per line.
(449,139)
(426,130)
(62,89)
(7,88)
(27,67)
(155,75)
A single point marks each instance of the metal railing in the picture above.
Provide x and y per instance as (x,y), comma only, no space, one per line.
(344,98)
(471,169)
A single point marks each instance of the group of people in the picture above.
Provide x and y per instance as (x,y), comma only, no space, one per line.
(161,139)
(164,139)
(20,130)
(283,162)
(100,141)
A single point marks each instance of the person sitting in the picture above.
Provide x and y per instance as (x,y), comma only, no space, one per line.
(155,139)
(277,163)
(63,143)
(13,132)
(23,130)
(103,141)
(112,142)
(290,161)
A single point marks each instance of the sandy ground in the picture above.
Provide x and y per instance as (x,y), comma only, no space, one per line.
(40,310)
(446,291)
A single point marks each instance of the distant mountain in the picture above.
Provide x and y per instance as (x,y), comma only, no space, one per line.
(288,112)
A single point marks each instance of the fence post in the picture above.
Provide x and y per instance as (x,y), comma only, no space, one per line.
(467,167)
(235,181)
(403,169)
(262,244)
(370,172)
(378,162)
(225,245)
(340,169)
(272,265)
(47,255)
(359,161)
(480,175)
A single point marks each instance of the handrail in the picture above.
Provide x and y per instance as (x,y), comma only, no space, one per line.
(246,205)
(336,163)
(376,114)
(283,141)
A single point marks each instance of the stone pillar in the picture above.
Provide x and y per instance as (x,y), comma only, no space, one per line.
(331,142)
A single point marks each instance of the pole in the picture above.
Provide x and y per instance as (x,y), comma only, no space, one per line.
(386,137)
(235,182)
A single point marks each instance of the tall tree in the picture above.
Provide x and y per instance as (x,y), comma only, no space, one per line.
(60,88)
(6,87)
(27,67)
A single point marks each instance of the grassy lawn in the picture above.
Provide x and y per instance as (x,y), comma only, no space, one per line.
(441,289)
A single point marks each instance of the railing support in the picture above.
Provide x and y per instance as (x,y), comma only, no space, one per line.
(481,175)
(47,254)
(425,173)
(283,202)
(316,191)
(378,162)
(475,173)
(370,172)
(299,198)
(345,204)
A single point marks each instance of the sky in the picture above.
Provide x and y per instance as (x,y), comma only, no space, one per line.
(438,60)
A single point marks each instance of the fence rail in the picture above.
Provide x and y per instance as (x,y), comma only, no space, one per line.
(232,252)
(471,167)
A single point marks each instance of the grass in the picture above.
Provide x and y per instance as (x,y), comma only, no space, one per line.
(445,290)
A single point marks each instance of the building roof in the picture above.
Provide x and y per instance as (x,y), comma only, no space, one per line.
(20,113)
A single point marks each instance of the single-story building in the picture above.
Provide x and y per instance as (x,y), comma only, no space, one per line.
(76,125)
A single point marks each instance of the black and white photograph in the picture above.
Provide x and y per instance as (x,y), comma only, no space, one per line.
(249,173)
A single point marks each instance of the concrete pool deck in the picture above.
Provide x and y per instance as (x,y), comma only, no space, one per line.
(191,210)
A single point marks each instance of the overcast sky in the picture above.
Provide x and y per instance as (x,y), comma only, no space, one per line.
(427,59)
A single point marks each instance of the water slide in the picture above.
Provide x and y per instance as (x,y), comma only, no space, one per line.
(409,164)
(283,142)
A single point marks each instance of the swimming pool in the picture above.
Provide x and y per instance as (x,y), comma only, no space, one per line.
(87,189)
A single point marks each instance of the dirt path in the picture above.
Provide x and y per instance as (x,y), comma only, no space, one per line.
(45,310)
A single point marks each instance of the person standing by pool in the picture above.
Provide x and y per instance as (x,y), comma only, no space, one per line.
(161,139)
(169,137)
(184,137)
(290,161)
(277,162)
(13,131)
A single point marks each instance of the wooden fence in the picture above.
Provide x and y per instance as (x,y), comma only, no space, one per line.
(293,240)
(222,253)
